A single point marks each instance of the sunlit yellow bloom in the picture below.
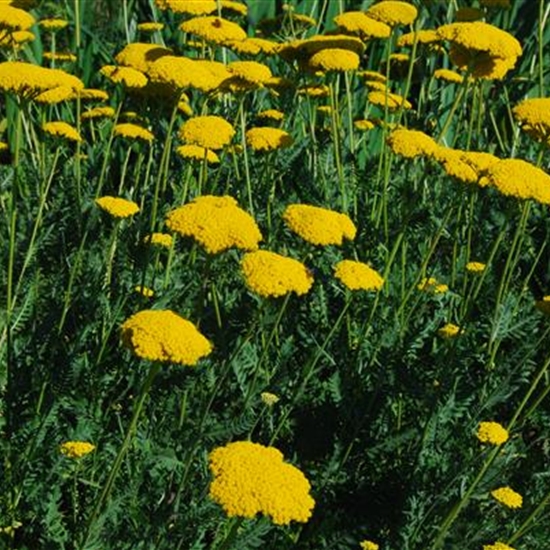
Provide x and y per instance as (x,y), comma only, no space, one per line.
(360,24)
(411,143)
(508,497)
(271,114)
(448,331)
(216,223)
(164,336)
(334,60)
(213,29)
(492,432)
(373,76)
(53,24)
(128,77)
(253,46)
(76,449)
(533,116)
(210,132)
(448,76)
(324,109)
(269,274)
(431,284)
(452,161)
(15,39)
(98,112)
(393,13)
(62,130)
(393,101)
(314,91)
(269,399)
(250,71)
(250,478)
(302,50)
(364,125)
(475,267)
(231,6)
(162,240)
(14,19)
(265,139)
(358,275)
(150,26)
(422,36)
(117,206)
(319,226)
(196,152)
(139,56)
(145,291)
(56,95)
(191,7)
(60,56)
(93,94)
(497,546)
(133,131)
(369,545)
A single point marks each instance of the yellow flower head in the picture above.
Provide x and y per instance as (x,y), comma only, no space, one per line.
(508,497)
(76,449)
(196,152)
(164,336)
(317,225)
(448,76)
(303,50)
(314,91)
(364,125)
(369,545)
(393,101)
(217,223)
(453,162)
(150,26)
(250,478)
(53,24)
(271,114)
(190,7)
(128,77)
(520,179)
(269,399)
(93,94)
(393,13)
(431,284)
(411,143)
(145,291)
(534,117)
(360,24)
(422,36)
(448,331)
(358,276)
(475,267)
(265,139)
(98,112)
(250,72)
(61,130)
(162,240)
(269,274)
(139,55)
(497,546)
(133,131)
(253,46)
(14,19)
(210,132)
(334,59)
(56,95)
(492,432)
(215,30)
(117,206)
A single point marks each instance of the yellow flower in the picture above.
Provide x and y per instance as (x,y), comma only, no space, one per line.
(497,546)
(250,72)
(534,117)
(93,94)
(373,76)
(133,131)
(452,161)
(210,132)
(431,284)
(492,432)
(60,56)
(360,24)
(253,46)
(364,125)
(264,138)
(250,478)
(10,529)
(76,449)
(393,13)
(162,240)
(217,223)
(117,206)
(448,76)
(520,179)
(14,19)
(27,80)
(272,114)
(98,112)
(304,49)
(269,274)
(53,24)
(508,497)
(139,56)
(334,59)
(393,101)
(62,130)
(422,36)
(369,545)
(314,91)
(475,267)
(318,225)
(162,335)
(145,291)
(15,39)
(191,7)
(449,331)
(56,95)
(128,77)
(150,26)
(411,143)
(324,110)
(358,276)
(196,152)
(214,29)
(269,399)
